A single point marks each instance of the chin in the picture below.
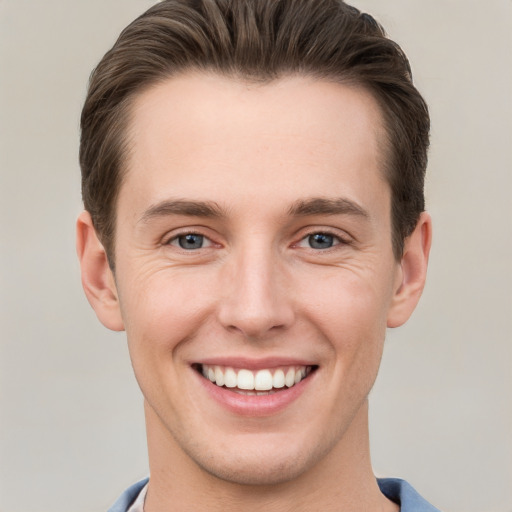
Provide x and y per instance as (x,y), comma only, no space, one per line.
(260,464)
(256,471)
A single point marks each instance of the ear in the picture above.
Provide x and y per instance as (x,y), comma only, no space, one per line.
(412,273)
(97,277)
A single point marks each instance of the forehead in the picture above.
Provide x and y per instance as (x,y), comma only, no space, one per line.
(197,134)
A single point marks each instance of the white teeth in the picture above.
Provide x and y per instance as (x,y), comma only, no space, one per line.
(278,379)
(219,376)
(245,379)
(230,380)
(263,381)
(289,380)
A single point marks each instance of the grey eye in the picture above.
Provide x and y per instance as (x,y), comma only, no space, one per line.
(191,241)
(321,241)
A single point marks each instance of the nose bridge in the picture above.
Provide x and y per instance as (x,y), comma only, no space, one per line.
(258,301)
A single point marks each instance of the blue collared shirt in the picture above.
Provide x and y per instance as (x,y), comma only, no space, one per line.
(395,489)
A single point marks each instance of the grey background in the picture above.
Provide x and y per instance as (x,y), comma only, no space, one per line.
(71,420)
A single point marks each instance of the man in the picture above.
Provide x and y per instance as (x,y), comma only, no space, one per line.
(254,219)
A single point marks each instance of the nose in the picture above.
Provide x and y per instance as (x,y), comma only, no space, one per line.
(258,301)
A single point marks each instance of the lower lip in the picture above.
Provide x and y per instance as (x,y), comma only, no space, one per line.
(255,405)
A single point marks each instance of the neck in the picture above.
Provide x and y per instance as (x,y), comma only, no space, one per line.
(342,480)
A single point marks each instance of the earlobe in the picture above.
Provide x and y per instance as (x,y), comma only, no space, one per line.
(97,278)
(413,272)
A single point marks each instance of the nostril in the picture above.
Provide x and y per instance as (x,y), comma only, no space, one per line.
(255,329)
(255,307)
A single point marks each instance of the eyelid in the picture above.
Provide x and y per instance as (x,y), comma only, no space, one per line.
(174,241)
(174,236)
(341,239)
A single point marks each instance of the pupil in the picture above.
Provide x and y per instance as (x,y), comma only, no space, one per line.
(321,241)
(191,241)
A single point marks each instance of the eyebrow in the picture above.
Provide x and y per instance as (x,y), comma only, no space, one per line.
(327,206)
(208,209)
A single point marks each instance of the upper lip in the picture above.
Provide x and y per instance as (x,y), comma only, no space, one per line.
(253,363)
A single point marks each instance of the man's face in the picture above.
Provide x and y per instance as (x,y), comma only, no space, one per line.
(253,243)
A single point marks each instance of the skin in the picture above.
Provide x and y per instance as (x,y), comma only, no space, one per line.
(278,163)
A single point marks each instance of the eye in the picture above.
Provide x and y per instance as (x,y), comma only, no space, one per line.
(190,241)
(319,241)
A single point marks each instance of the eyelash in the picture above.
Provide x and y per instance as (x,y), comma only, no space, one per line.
(184,234)
(337,240)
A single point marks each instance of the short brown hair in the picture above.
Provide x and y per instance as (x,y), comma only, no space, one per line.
(259,40)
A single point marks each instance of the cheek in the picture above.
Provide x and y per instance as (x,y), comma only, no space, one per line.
(350,312)
(163,313)
(164,309)
(345,297)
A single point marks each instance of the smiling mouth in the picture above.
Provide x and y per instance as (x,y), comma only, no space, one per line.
(249,382)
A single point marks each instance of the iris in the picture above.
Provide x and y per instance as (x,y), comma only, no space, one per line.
(191,241)
(321,241)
